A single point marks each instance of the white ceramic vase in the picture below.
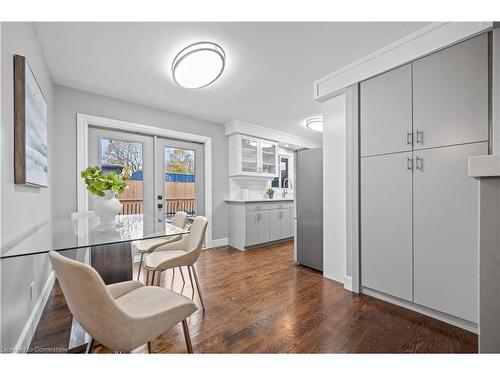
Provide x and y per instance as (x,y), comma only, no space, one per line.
(107,208)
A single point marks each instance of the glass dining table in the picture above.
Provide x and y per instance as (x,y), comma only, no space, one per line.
(107,249)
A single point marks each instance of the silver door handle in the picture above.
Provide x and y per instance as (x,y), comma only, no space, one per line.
(409,163)
(420,163)
(420,136)
(409,137)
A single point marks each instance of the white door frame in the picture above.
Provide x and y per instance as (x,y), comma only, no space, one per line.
(83,121)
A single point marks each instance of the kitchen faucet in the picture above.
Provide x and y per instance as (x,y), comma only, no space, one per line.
(285,187)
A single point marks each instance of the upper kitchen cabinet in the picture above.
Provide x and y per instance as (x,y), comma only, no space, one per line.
(385,116)
(450,95)
(254,157)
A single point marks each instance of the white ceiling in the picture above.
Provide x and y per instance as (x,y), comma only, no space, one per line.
(269,72)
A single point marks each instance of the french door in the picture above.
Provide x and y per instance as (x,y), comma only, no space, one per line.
(180,179)
(164,175)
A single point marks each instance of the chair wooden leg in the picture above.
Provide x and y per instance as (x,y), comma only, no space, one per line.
(90,345)
(182,275)
(158,282)
(149,347)
(185,329)
(198,285)
(191,279)
(140,266)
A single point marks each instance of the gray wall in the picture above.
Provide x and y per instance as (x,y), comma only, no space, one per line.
(69,102)
(23,208)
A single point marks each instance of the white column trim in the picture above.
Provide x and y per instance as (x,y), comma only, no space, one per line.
(428,39)
(84,121)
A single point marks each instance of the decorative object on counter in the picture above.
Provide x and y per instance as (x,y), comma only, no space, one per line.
(107,206)
(30,127)
(270,193)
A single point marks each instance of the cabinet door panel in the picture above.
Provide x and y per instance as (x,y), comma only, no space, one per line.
(252,228)
(268,158)
(385,112)
(386,224)
(450,95)
(264,235)
(249,155)
(285,223)
(446,230)
(274,225)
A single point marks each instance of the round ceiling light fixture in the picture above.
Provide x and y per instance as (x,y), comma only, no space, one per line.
(315,123)
(198,65)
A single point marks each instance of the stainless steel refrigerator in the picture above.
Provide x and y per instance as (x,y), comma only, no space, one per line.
(309,208)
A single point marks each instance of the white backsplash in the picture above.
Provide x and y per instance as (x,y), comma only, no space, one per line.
(252,189)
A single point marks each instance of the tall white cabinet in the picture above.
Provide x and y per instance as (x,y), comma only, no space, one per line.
(419,123)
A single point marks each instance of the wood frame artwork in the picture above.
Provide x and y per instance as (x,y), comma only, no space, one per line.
(30,127)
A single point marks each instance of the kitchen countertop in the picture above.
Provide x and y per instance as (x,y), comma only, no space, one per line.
(259,200)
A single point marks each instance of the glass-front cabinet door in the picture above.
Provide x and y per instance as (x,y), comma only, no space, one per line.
(249,155)
(268,157)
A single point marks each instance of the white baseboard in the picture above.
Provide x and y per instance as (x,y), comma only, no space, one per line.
(219,242)
(348,282)
(29,329)
(450,319)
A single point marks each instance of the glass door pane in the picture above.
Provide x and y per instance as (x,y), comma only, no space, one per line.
(180,176)
(131,155)
(268,151)
(125,158)
(180,182)
(249,155)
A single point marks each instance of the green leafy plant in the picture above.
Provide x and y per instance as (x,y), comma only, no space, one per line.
(98,183)
(270,191)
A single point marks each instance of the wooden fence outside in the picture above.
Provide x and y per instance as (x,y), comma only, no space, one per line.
(180,196)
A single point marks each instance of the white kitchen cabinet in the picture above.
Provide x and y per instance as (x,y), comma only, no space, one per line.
(450,95)
(254,223)
(257,226)
(386,222)
(252,157)
(418,207)
(446,230)
(385,116)
(280,223)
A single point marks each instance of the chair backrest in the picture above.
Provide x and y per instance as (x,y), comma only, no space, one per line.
(88,299)
(197,234)
(180,219)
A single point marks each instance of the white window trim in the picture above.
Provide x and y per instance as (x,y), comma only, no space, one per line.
(291,176)
(83,121)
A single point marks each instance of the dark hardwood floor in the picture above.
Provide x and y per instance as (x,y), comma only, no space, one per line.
(259,301)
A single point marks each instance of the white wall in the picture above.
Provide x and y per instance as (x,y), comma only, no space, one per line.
(334,189)
(69,102)
(23,208)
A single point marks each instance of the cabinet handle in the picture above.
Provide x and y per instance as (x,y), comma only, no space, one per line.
(409,137)
(409,163)
(420,136)
(420,163)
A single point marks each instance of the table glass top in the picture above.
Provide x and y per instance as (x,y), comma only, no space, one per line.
(65,234)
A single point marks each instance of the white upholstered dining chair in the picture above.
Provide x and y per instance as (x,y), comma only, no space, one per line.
(122,316)
(184,252)
(150,244)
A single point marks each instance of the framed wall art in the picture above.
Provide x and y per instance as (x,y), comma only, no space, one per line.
(30,127)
